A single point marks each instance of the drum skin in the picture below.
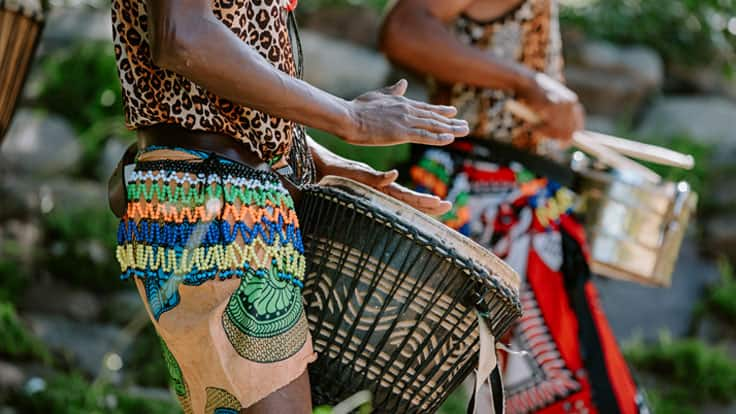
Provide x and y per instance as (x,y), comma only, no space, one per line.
(391,308)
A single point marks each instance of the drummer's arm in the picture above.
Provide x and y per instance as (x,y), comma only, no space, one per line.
(415,35)
(187,38)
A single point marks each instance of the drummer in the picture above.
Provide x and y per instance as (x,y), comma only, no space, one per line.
(210,235)
(479,53)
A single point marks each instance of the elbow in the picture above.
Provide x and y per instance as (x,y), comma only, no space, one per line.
(171,46)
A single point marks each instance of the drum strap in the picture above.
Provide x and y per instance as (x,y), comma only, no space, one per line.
(488,376)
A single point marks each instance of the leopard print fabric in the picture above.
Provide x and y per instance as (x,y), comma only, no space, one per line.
(529,34)
(153,95)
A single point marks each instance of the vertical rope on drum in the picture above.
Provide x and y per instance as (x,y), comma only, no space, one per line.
(383,265)
(448,310)
(413,293)
(403,275)
(365,255)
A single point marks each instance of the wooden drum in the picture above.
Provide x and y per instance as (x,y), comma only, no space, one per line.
(393,298)
(20,29)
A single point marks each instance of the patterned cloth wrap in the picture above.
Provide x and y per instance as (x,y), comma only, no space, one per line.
(215,251)
(574,364)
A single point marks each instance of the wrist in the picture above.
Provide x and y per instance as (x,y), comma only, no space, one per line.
(525,82)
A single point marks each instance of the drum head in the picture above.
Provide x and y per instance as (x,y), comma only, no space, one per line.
(449,238)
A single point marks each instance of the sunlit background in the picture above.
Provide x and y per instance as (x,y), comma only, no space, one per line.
(74,339)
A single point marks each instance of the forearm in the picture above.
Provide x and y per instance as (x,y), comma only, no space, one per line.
(208,53)
(421,42)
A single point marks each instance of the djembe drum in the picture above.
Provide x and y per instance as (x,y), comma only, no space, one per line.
(20,27)
(393,298)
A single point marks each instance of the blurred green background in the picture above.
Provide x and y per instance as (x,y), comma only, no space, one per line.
(71,336)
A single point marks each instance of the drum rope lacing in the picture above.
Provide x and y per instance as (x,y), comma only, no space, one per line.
(481,275)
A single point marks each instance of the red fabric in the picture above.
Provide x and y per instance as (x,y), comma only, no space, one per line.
(291,6)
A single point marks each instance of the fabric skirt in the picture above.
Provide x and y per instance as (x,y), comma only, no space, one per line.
(573,363)
(216,254)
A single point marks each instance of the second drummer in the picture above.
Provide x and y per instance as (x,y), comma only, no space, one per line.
(480,53)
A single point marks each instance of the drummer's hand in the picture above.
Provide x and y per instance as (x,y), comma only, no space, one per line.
(328,163)
(557,105)
(386,117)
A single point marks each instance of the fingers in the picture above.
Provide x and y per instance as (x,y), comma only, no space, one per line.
(363,173)
(426,137)
(444,110)
(444,126)
(397,89)
(426,203)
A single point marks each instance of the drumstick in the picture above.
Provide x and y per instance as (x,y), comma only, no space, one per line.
(585,142)
(645,152)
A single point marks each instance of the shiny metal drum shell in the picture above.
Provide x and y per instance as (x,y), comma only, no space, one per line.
(634,228)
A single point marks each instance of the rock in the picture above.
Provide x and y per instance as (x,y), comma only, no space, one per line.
(11,377)
(341,68)
(121,307)
(111,153)
(666,309)
(27,195)
(24,236)
(601,124)
(709,119)
(613,80)
(356,24)
(700,79)
(720,235)
(65,25)
(74,303)
(43,144)
(86,344)
(714,408)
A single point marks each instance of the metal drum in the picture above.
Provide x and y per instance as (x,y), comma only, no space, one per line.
(634,227)
(20,29)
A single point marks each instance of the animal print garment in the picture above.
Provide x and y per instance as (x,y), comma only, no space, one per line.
(153,95)
(528,34)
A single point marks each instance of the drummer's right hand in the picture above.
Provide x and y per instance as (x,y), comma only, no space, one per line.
(386,117)
(557,106)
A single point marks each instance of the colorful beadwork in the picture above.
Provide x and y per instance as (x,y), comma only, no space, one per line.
(187,225)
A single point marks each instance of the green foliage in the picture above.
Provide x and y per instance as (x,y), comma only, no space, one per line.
(72,394)
(81,246)
(700,176)
(15,340)
(689,32)
(669,402)
(81,84)
(720,300)
(13,274)
(146,365)
(456,403)
(695,373)
(381,158)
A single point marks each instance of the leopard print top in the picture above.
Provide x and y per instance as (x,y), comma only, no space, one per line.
(153,95)
(528,34)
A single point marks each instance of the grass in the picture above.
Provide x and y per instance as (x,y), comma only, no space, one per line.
(72,394)
(80,248)
(720,299)
(694,373)
(15,340)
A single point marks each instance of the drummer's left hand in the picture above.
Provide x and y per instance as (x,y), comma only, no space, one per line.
(329,163)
